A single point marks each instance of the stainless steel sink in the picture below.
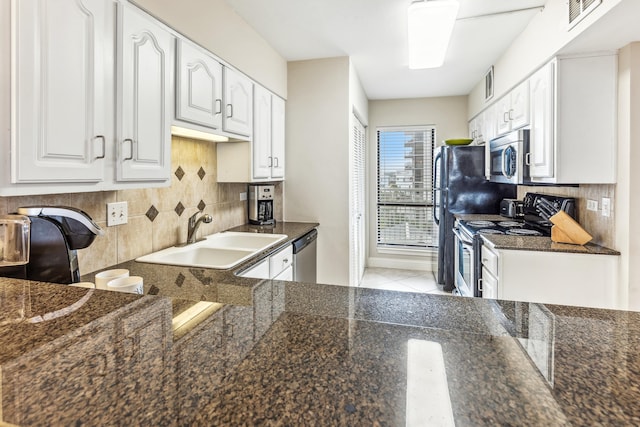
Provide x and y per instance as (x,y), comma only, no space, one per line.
(219,251)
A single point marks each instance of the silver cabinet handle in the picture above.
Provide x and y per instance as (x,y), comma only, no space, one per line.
(229,110)
(104,147)
(218,106)
(505,117)
(270,161)
(510,116)
(480,285)
(527,159)
(132,143)
(277,162)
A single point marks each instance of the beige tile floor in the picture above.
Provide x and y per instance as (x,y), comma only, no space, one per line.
(401,280)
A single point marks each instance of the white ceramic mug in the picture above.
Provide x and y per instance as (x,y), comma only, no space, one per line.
(105,277)
(131,284)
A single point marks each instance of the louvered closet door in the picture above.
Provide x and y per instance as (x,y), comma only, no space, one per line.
(357,233)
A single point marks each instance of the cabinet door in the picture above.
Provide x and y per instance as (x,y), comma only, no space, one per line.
(541,141)
(238,96)
(519,112)
(503,107)
(261,140)
(277,137)
(61,79)
(198,86)
(144,145)
(489,285)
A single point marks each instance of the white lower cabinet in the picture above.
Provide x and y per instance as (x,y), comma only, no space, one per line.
(576,279)
(278,266)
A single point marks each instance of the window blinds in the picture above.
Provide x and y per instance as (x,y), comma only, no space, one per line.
(405,196)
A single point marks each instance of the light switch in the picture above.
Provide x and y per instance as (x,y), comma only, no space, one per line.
(117,213)
(606,206)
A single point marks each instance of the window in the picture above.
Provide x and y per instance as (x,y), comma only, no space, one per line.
(405,196)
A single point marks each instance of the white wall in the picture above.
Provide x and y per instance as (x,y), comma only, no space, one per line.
(627,202)
(217,27)
(448,114)
(317,153)
(545,35)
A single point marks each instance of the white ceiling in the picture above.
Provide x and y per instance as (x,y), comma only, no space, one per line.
(374,34)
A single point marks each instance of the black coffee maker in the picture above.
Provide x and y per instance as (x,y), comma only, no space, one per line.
(56,234)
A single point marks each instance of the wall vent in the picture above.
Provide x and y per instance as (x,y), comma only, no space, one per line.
(578,9)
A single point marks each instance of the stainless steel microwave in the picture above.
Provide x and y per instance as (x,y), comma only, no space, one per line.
(507,154)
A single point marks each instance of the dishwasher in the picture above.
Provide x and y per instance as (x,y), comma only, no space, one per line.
(304,257)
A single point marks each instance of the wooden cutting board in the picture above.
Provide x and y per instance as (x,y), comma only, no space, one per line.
(566,230)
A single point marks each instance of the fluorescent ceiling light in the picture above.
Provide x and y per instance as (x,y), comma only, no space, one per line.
(430,27)
(196,134)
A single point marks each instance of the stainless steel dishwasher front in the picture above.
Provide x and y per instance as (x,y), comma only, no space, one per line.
(304,257)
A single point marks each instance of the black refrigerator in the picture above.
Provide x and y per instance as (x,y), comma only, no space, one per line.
(460,187)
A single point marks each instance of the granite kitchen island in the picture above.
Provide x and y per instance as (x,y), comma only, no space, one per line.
(286,353)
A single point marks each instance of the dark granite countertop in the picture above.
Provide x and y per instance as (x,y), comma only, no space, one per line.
(540,243)
(533,243)
(301,354)
(196,283)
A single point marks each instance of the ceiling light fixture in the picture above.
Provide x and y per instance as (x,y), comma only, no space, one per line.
(430,27)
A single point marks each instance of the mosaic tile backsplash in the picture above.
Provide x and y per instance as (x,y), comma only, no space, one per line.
(157,216)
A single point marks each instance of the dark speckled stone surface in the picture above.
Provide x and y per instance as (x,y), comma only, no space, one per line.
(206,347)
(286,353)
(534,243)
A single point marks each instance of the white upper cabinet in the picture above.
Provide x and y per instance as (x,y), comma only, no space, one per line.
(262,134)
(512,110)
(261,158)
(144,127)
(198,86)
(61,82)
(540,157)
(238,99)
(574,120)
(277,137)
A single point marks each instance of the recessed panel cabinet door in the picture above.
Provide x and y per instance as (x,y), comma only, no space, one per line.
(198,87)
(238,97)
(541,160)
(261,141)
(277,137)
(60,77)
(144,143)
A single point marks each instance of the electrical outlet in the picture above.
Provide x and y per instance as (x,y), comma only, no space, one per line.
(243,196)
(592,205)
(117,213)
(606,206)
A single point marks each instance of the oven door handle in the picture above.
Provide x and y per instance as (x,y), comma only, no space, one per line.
(462,239)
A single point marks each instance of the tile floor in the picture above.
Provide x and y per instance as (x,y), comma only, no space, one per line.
(401,280)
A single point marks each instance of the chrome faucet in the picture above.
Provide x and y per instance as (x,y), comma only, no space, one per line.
(194,223)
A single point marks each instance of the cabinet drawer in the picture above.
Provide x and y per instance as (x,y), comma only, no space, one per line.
(490,260)
(489,285)
(279,261)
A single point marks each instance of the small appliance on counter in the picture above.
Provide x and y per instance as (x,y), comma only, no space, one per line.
(261,204)
(56,232)
(512,208)
(14,244)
